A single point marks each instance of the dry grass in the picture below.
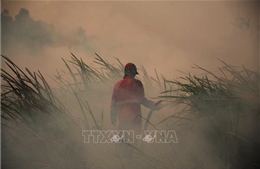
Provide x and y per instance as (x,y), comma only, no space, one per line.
(215,117)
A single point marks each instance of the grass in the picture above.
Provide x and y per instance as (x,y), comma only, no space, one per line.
(223,111)
(215,116)
(35,124)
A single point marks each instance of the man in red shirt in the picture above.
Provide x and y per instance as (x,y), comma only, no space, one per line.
(128,95)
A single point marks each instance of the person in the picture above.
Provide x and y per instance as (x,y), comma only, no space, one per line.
(127,98)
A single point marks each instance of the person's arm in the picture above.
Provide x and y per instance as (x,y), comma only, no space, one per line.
(148,103)
(142,99)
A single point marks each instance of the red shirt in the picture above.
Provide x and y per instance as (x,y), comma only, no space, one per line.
(127,96)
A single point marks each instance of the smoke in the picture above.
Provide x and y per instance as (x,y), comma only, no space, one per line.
(38,45)
(167,36)
(23,31)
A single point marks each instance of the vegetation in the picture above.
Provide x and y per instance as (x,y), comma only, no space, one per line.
(223,111)
(215,117)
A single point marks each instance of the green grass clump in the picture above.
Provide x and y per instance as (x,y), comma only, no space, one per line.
(37,130)
(222,112)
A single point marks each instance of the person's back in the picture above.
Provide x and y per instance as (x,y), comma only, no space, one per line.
(128,94)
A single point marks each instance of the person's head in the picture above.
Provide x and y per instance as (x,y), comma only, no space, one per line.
(130,69)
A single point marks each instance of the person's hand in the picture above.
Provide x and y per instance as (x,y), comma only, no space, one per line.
(158,105)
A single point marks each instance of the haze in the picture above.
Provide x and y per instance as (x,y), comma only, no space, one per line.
(166,36)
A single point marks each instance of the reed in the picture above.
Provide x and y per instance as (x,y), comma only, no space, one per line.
(216,117)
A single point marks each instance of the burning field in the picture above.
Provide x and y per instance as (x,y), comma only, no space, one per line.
(213,118)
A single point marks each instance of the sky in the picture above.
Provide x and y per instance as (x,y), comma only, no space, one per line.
(169,36)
